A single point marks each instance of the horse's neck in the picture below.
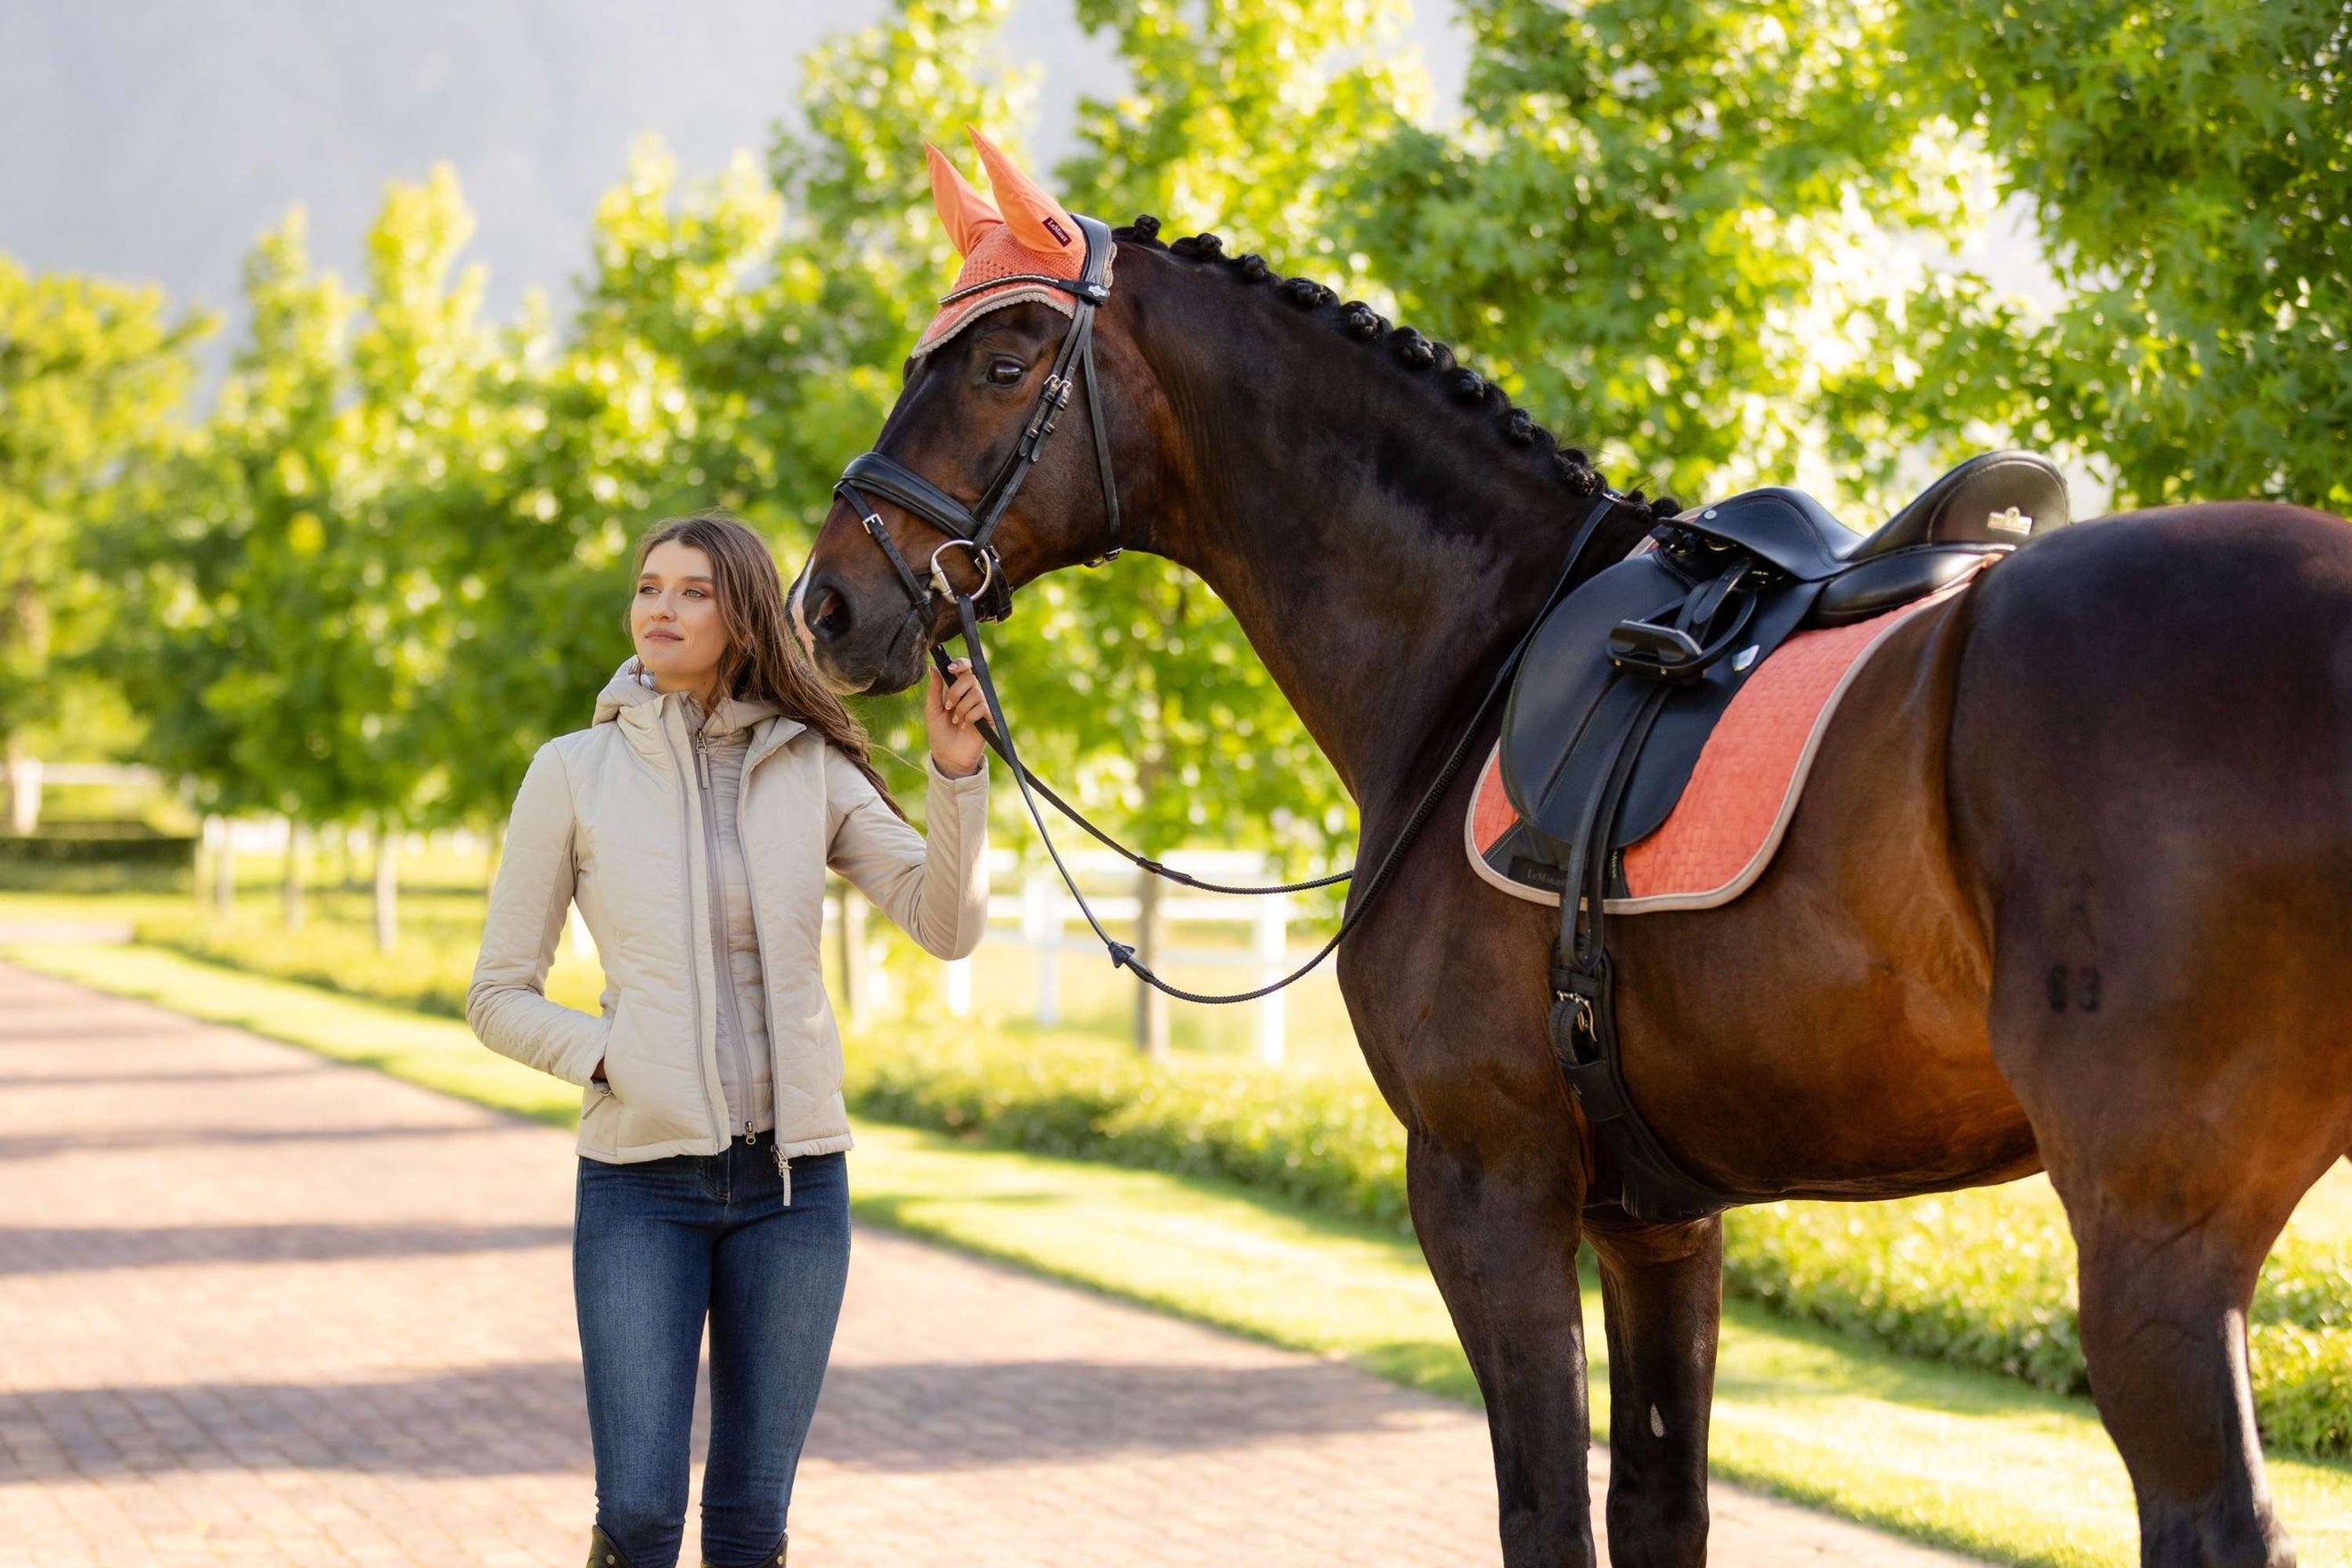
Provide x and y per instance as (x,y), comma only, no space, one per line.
(1382,549)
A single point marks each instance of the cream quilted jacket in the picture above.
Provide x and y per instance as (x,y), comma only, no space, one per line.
(607,816)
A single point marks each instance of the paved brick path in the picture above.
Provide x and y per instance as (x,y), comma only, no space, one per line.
(256,1307)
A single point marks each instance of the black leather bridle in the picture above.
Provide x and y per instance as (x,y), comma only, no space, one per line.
(973,527)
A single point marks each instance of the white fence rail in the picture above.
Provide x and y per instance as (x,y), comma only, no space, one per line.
(1041,912)
(1039,918)
(1043,918)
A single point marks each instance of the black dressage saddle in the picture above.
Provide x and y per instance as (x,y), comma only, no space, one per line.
(1626,677)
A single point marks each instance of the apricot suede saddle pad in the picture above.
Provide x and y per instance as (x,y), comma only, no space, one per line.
(1742,794)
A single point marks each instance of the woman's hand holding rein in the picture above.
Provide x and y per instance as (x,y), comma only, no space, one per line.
(952,714)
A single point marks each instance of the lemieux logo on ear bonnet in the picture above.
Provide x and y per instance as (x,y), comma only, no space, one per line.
(1023,230)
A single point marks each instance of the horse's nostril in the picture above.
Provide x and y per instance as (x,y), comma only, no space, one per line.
(831,622)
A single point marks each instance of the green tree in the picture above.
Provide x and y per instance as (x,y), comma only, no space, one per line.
(89,374)
(2186,161)
(1238,114)
(298,580)
(1669,226)
(228,538)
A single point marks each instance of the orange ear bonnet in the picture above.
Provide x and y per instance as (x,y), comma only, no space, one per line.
(1023,231)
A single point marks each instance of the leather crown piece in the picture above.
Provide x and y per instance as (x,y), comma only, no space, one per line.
(1007,243)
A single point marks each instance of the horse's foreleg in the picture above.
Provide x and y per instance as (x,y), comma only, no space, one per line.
(1502,1245)
(1663,1288)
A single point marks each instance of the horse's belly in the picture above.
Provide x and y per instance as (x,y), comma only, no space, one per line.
(1824,1034)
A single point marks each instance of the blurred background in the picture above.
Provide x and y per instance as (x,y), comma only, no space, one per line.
(348,348)
(345,351)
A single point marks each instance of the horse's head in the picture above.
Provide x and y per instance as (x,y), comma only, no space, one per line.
(989,463)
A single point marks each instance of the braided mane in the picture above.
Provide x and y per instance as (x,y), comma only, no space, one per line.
(1459,383)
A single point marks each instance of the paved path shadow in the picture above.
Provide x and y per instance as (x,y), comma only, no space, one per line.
(263,1309)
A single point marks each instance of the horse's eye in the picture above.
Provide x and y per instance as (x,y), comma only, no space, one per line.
(1002,371)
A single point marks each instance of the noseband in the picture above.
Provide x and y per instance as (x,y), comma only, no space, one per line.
(972,528)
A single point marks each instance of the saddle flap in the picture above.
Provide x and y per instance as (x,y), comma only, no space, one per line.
(1563,681)
(1572,703)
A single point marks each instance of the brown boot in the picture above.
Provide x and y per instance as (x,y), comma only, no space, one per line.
(602,1552)
(777,1561)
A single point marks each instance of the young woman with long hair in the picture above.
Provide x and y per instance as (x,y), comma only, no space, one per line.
(693,823)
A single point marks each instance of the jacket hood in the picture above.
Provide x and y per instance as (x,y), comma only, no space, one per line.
(631,688)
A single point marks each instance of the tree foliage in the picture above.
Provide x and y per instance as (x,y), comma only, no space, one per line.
(1665,224)
(1711,240)
(90,372)
(2188,162)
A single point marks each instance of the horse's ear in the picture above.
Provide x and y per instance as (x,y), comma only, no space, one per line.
(967,214)
(1041,225)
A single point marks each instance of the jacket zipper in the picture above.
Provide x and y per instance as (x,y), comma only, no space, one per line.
(686,864)
(759,940)
(739,1049)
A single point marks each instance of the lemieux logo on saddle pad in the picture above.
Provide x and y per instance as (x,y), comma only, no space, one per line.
(1023,231)
(1735,811)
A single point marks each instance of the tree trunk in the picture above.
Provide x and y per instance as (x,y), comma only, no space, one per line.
(225,870)
(387,885)
(201,870)
(23,789)
(296,842)
(1150,1007)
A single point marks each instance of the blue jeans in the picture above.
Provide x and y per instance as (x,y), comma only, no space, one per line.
(657,1246)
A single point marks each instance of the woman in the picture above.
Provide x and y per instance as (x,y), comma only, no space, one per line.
(693,823)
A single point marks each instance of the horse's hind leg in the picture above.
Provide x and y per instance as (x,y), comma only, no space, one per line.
(2179,1150)
(1663,1288)
(2164,1328)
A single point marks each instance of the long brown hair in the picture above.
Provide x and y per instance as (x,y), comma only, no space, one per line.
(762,661)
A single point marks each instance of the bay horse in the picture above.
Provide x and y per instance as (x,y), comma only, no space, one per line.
(2070,890)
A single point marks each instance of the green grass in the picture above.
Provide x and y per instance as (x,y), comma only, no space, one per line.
(1964,1458)
(1983,1279)
(1987,1278)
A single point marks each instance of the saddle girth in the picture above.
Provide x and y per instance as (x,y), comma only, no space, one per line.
(1655,658)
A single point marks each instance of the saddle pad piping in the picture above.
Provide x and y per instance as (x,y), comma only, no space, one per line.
(1490,784)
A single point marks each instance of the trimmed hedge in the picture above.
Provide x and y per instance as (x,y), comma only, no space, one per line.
(96,857)
(1985,1279)
(1330,1145)
(1982,1278)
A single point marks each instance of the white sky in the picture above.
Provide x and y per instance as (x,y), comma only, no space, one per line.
(153,139)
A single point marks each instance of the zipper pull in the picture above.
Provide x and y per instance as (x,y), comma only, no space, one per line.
(784,1169)
(750,1135)
(701,762)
